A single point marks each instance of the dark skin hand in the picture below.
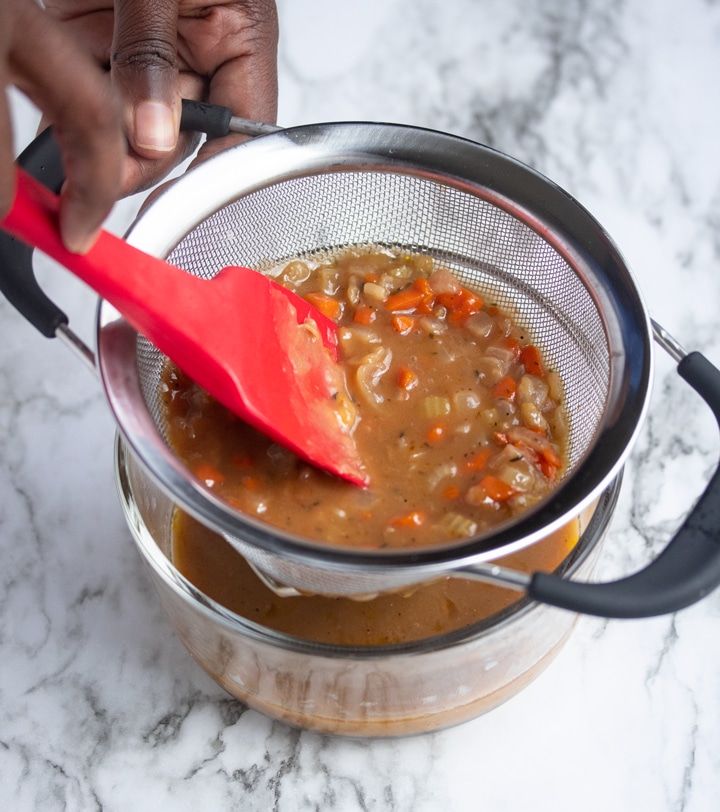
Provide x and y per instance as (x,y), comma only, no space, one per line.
(160,51)
(110,77)
(61,79)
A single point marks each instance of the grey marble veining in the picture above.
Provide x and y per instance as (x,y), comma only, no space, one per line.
(100,706)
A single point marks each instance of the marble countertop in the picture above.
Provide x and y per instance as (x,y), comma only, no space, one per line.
(101,707)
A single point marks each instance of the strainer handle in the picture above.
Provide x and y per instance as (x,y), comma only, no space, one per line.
(688,568)
(41,159)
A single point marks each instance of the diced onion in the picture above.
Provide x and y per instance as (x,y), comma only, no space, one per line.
(480,324)
(532,417)
(532,389)
(443,281)
(374,292)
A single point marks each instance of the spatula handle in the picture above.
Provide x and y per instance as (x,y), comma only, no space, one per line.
(136,283)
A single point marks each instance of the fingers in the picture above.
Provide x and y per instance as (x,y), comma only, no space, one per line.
(65,83)
(236,47)
(145,70)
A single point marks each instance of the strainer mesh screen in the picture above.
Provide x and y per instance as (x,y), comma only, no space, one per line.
(490,249)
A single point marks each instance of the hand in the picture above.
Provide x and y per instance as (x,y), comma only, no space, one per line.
(159,51)
(52,70)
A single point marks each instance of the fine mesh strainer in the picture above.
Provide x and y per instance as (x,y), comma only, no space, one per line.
(497,224)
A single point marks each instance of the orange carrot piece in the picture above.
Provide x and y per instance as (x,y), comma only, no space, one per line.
(530,359)
(478,461)
(414,518)
(435,433)
(208,474)
(405,300)
(427,303)
(496,489)
(407,379)
(402,323)
(325,304)
(365,315)
(514,345)
(505,389)
(451,492)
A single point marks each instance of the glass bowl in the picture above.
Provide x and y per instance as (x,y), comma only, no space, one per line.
(371,690)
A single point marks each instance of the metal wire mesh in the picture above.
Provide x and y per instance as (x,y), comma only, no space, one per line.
(488,248)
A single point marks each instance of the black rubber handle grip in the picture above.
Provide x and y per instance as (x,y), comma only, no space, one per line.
(42,160)
(687,569)
(211,119)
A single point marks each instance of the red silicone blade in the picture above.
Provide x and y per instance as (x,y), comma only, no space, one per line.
(239,335)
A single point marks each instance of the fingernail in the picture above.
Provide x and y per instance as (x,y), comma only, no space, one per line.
(155,126)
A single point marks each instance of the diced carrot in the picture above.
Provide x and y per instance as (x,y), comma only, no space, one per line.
(427,303)
(249,482)
(435,433)
(505,389)
(208,474)
(451,492)
(548,453)
(412,519)
(449,300)
(514,345)
(530,359)
(365,314)
(501,438)
(405,300)
(325,304)
(478,461)
(496,489)
(402,323)
(407,379)
(371,277)
(548,469)
(469,304)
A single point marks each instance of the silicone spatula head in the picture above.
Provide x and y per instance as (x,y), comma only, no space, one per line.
(256,347)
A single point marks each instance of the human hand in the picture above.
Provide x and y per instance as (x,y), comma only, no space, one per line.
(160,51)
(59,76)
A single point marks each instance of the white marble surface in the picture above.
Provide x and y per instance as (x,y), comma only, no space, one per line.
(100,707)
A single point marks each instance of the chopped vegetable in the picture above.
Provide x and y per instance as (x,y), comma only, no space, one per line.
(494,488)
(365,315)
(407,379)
(530,359)
(436,406)
(405,300)
(326,304)
(478,461)
(505,389)
(435,433)
(402,324)
(412,519)
(208,474)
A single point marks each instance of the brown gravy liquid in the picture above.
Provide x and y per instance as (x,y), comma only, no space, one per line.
(442,606)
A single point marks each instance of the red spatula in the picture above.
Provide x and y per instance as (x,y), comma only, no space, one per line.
(239,335)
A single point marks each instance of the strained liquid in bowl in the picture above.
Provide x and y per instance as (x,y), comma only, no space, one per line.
(456,415)
(426,611)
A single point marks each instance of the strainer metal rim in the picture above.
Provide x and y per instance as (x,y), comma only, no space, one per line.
(473,168)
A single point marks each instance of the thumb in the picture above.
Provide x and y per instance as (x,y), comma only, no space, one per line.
(144,70)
